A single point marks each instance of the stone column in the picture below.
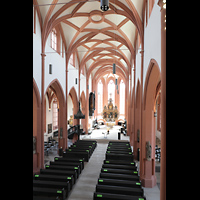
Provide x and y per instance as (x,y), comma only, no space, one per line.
(162,4)
(141,145)
(43,110)
(87,105)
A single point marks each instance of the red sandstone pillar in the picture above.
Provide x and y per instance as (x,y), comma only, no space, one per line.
(142,139)
(66,103)
(163,101)
(87,105)
(43,110)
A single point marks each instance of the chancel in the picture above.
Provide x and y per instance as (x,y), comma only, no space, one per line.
(99,99)
(110,112)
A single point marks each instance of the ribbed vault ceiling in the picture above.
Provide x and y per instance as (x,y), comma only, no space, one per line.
(99,38)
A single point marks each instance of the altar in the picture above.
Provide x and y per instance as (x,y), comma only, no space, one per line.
(110,113)
(110,124)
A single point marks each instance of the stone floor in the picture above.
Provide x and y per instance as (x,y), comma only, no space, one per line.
(86,183)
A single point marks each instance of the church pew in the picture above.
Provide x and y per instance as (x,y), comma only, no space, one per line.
(118,148)
(122,147)
(49,192)
(91,148)
(115,166)
(87,141)
(58,167)
(92,143)
(118,171)
(56,178)
(76,149)
(70,159)
(74,164)
(44,198)
(53,184)
(60,172)
(107,196)
(114,156)
(79,155)
(123,183)
(133,177)
(119,190)
(120,152)
(118,143)
(119,162)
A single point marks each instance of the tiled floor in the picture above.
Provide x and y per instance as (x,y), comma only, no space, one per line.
(86,183)
(102,134)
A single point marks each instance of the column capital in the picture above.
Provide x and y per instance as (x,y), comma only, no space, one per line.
(142,52)
(162,4)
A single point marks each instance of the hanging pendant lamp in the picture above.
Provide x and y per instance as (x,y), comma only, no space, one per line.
(104,5)
(114,68)
(79,114)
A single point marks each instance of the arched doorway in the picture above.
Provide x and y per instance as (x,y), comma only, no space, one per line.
(74,98)
(147,165)
(58,99)
(37,153)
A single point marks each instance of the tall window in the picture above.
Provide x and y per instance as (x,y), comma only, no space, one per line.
(122,98)
(55,114)
(100,97)
(71,59)
(111,90)
(54,39)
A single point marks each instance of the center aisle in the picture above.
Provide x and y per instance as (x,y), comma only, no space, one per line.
(86,183)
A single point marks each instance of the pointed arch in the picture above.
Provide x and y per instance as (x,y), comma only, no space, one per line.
(83,109)
(73,95)
(152,79)
(62,119)
(37,157)
(153,76)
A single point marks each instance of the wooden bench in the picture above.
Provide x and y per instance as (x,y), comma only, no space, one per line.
(52,184)
(70,159)
(73,164)
(60,167)
(123,183)
(107,196)
(60,172)
(115,166)
(119,190)
(57,178)
(49,192)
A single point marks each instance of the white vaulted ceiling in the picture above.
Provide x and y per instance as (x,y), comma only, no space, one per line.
(99,38)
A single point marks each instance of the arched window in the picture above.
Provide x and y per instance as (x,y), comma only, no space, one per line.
(55,114)
(111,91)
(100,97)
(122,98)
(54,39)
(72,59)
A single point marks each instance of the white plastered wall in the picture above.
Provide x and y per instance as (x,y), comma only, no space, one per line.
(58,67)
(37,54)
(152,44)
